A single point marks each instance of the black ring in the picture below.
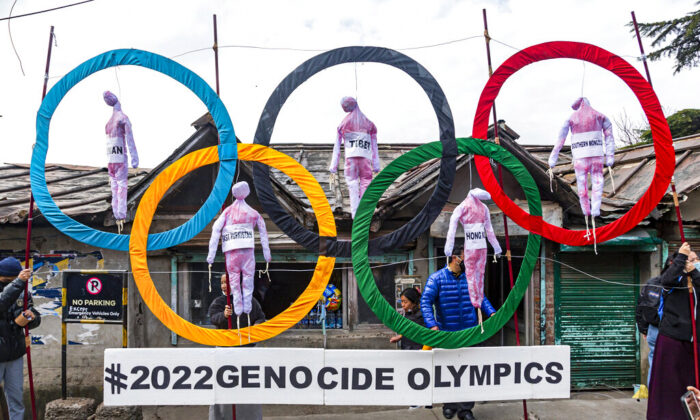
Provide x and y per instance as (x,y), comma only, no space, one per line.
(422,221)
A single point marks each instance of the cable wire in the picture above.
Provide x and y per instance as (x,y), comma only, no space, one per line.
(43,11)
(9,31)
(301,270)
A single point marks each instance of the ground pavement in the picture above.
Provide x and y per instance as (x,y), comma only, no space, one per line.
(581,406)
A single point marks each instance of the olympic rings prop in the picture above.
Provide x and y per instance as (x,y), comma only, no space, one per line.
(661,133)
(199,87)
(360,235)
(142,222)
(139,242)
(431,210)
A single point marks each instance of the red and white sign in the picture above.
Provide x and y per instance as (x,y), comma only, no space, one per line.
(93,285)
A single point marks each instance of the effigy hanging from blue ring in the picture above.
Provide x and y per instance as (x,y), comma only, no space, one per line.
(107,240)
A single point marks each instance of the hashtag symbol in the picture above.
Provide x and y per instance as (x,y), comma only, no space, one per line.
(116,378)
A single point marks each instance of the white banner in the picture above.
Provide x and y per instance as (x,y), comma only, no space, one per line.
(191,376)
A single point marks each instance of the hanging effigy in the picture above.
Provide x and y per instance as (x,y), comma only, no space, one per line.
(359,136)
(235,227)
(120,144)
(592,146)
(475,218)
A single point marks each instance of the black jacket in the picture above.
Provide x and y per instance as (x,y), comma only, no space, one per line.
(12,345)
(216,314)
(675,322)
(647,312)
(406,343)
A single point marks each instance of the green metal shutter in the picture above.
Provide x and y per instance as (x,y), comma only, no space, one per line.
(597,319)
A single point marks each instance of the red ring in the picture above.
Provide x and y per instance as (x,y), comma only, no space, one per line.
(663,145)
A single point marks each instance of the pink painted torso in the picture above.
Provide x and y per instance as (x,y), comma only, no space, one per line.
(474,211)
(586,119)
(240,212)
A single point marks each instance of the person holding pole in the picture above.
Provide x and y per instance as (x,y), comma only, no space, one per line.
(670,372)
(220,313)
(12,322)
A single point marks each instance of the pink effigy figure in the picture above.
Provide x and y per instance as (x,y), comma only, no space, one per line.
(359,135)
(475,219)
(592,145)
(120,143)
(235,227)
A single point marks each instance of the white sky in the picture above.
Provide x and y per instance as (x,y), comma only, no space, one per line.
(534,102)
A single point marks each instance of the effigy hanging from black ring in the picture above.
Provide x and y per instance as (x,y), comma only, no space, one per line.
(418,224)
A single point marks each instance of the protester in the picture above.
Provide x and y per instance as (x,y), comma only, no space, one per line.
(219,313)
(12,322)
(410,303)
(447,289)
(649,312)
(672,369)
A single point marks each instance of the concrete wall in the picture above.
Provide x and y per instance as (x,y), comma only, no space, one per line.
(86,341)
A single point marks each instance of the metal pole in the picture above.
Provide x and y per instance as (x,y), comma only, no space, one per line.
(125,335)
(676,204)
(64,387)
(216,55)
(487,38)
(27,338)
(228,302)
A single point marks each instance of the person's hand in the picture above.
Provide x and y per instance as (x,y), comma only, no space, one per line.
(227,311)
(24,318)
(685,249)
(25,274)
(695,391)
(609,160)
(435,328)
(395,339)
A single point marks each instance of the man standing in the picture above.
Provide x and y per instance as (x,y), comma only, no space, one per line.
(448,290)
(219,314)
(12,342)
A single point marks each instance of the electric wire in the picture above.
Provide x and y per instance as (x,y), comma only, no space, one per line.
(43,11)
(382,265)
(321,50)
(9,31)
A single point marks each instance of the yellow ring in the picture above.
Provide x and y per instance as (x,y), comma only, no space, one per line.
(142,224)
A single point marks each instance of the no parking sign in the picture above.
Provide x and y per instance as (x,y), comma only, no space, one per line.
(95,295)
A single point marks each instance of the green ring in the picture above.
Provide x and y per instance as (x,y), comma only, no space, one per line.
(360,237)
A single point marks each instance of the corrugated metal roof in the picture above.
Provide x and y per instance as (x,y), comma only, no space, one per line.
(633,171)
(77,190)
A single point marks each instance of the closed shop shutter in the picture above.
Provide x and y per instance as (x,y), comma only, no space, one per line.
(692,236)
(597,318)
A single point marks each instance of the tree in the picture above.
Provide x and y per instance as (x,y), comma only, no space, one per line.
(682,123)
(685,46)
(627,130)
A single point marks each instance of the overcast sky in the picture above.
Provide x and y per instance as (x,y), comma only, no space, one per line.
(534,102)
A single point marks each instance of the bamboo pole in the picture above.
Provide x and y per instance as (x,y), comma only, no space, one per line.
(676,204)
(30,217)
(487,38)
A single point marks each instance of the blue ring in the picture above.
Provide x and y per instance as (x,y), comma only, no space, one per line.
(199,87)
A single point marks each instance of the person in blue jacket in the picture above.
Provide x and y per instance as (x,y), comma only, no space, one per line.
(448,292)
